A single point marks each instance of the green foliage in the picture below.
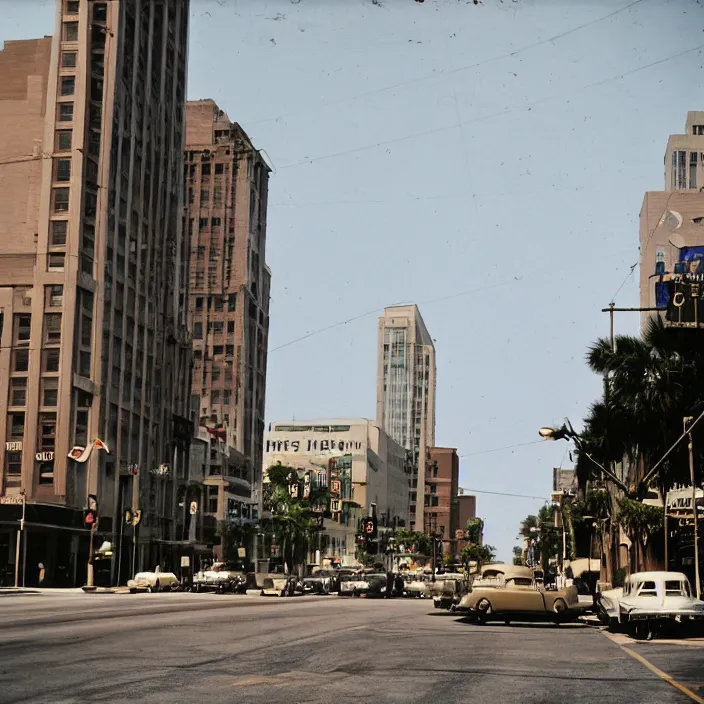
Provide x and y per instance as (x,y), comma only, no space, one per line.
(413,541)
(481,554)
(640,519)
(546,541)
(475,530)
(517,555)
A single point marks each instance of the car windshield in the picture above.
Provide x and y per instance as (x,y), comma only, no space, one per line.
(647,589)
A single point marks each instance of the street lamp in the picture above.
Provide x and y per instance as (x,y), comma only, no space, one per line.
(591,520)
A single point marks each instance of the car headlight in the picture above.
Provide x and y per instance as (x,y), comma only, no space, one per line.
(383,589)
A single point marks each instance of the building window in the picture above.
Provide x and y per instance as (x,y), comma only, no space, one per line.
(16,426)
(63,140)
(72,7)
(198,331)
(229,350)
(213,499)
(218,304)
(47,432)
(50,360)
(231,302)
(200,253)
(693,169)
(68,59)
(204,195)
(55,296)
(199,304)
(100,12)
(70,32)
(57,233)
(56,261)
(23,325)
(68,85)
(202,223)
(215,396)
(230,326)
(226,396)
(18,391)
(219,168)
(21,361)
(215,222)
(62,170)
(65,112)
(217,350)
(698,129)
(14,463)
(50,392)
(60,198)
(217,327)
(52,329)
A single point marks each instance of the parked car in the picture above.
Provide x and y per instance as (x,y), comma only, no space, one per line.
(417,585)
(153,581)
(353,585)
(377,584)
(647,601)
(510,593)
(281,586)
(221,577)
(448,589)
(322,582)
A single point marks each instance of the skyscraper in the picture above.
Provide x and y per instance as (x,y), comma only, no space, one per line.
(93,281)
(405,394)
(227,183)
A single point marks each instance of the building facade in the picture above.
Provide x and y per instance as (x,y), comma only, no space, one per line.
(226,201)
(371,468)
(440,498)
(93,282)
(672,233)
(405,395)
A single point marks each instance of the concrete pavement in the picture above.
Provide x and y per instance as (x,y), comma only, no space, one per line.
(158,648)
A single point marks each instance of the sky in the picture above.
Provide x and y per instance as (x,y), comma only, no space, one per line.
(487,162)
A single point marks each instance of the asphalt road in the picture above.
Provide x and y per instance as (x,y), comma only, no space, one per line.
(158,648)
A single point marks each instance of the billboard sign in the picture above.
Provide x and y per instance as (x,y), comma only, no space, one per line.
(679,292)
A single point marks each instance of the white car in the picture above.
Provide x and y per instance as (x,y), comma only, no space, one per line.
(153,581)
(353,585)
(649,597)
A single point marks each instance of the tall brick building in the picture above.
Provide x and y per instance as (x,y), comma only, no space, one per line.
(227,184)
(93,284)
(440,496)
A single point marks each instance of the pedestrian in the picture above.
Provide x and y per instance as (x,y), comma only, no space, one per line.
(389,585)
(42,573)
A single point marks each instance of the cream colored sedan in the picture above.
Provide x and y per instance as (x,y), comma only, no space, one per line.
(153,582)
(510,593)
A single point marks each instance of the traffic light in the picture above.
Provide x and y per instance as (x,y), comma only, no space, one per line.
(369,527)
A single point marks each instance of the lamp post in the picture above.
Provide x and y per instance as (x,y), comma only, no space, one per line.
(695,513)
(590,520)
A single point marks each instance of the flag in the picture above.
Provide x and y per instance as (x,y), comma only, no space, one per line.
(80,454)
(98,444)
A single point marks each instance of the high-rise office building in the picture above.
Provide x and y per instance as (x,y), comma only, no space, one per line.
(672,233)
(93,284)
(227,183)
(405,393)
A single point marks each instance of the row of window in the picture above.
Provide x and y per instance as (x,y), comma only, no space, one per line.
(684,169)
(214,327)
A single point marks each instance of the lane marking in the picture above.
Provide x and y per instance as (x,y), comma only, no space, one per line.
(664,676)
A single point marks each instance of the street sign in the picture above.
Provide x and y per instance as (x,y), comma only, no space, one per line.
(44,456)
(185,561)
(194,508)
(12,500)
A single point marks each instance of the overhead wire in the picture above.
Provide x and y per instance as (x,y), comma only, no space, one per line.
(467,67)
(500,449)
(460,124)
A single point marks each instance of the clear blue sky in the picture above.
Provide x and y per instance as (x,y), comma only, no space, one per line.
(484,161)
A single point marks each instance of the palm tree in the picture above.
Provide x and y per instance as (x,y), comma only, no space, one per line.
(651,384)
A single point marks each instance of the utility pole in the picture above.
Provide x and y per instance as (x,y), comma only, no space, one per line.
(695,513)
(20,533)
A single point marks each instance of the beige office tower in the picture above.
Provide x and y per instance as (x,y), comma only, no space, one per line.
(672,233)
(227,183)
(405,393)
(94,353)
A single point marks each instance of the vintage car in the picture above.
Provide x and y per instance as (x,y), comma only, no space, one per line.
(281,585)
(221,577)
(153,581)
(377,584)
(417,585)
(448,589)
(648,598)
(353,585)
(510,593)
(322,582)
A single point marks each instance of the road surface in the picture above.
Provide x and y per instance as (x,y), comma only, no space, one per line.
(158,648)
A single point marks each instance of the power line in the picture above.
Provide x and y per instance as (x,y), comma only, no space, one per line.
(459,69)
(526,106)
(505,447)
(502,493)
